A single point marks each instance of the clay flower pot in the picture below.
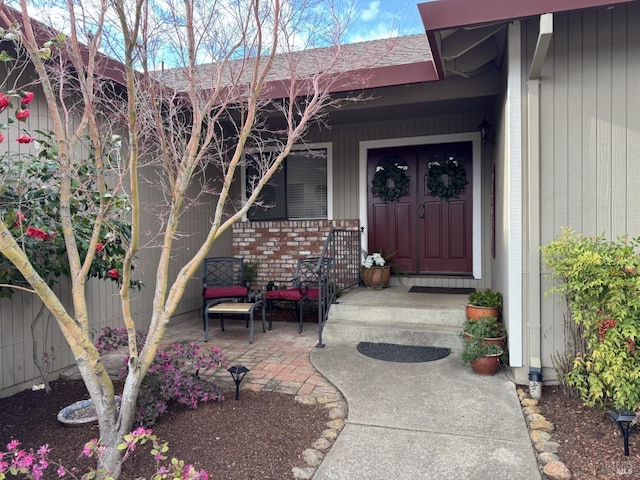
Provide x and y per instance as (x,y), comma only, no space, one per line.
(474,312)
(499,341)
(487,365)
(375,278)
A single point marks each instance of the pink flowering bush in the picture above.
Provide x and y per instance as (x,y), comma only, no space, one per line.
(174,376)
(19,462)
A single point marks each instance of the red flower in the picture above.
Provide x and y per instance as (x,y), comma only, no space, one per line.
(99,247)
(19,219)
(113,273)
(23,114)
(24,138)
(4,101)
(37,233)
(27,97)
(1,138)
(50,235)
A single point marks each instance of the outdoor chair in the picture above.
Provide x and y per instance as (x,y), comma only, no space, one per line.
(309,285)
(222,281)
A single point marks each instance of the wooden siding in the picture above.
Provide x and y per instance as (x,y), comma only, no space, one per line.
(590,136)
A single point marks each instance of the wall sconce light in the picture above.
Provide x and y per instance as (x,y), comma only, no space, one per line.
(485,130)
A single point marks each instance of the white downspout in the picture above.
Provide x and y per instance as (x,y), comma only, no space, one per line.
(533,203)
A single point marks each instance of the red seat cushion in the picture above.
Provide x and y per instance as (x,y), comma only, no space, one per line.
(292,294)
(222,292)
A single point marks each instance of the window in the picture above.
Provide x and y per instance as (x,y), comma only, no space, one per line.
(297,191)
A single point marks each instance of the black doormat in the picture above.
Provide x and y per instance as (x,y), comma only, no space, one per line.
(446,290)
(390,352)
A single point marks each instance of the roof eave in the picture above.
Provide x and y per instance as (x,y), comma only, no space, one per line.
(446,14)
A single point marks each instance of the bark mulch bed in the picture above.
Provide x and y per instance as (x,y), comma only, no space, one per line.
(590,444)
(261,436)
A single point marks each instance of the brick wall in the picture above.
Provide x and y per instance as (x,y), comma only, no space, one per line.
(277,246)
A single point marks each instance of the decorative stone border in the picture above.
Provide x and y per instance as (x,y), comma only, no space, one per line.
(540,433)
(337,417)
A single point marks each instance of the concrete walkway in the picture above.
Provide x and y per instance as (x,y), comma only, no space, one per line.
(434,420)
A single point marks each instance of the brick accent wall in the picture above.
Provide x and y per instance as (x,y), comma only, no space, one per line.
(277,246)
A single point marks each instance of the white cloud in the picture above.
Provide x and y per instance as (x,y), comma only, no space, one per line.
(371,12)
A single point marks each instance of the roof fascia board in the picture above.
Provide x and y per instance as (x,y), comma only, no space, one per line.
(444,14)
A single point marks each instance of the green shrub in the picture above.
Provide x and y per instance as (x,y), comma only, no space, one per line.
(476,348)
(600,281)
(485,298)
(485,327)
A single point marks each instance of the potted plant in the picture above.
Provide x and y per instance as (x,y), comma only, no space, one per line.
(484,303)
(487,329)
(484,358)
(375,271)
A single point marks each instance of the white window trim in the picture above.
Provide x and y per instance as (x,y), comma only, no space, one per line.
(474,138)
(328,146)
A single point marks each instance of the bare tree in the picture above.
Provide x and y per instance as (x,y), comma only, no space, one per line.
(234,78)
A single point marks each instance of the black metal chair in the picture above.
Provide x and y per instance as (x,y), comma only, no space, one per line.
(222,280)
(310,284)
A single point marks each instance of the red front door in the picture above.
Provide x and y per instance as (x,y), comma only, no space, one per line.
(427,233)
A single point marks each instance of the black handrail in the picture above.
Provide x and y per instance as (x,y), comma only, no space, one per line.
(343,247)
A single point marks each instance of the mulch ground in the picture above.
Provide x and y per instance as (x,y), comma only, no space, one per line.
(590,444)
(260,436)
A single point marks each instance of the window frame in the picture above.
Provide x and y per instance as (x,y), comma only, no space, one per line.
(327,146)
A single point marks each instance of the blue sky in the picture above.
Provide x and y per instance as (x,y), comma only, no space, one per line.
(385,18)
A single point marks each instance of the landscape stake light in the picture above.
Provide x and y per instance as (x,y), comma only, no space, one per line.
(238,372)
(623,419)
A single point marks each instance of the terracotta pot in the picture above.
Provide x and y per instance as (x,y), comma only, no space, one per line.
(488,365)
(375,278)
(499,341)
(474,312)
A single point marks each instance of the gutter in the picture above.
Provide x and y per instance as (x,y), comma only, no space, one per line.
(533,204)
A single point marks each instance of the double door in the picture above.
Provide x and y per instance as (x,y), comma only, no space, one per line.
(429,234)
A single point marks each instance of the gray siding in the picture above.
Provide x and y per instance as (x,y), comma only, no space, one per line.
(590,135)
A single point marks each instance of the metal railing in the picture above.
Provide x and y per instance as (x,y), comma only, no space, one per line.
(343,247)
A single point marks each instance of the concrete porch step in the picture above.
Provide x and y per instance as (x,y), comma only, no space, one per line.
(393,315)
(344,331)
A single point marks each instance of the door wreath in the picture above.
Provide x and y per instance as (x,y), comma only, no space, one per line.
(390,170)
(456,175)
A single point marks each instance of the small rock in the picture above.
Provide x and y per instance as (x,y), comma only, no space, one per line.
(305,399)
(546,457)
(324,400)
(544,425)
(336,413)
(336,424)
(539,436)
(522,394)
(557,470)
(330,434)
(531,410)
(312,457)
(549,447)
(303,473)
(321,444)
(529,402)
(535,417)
